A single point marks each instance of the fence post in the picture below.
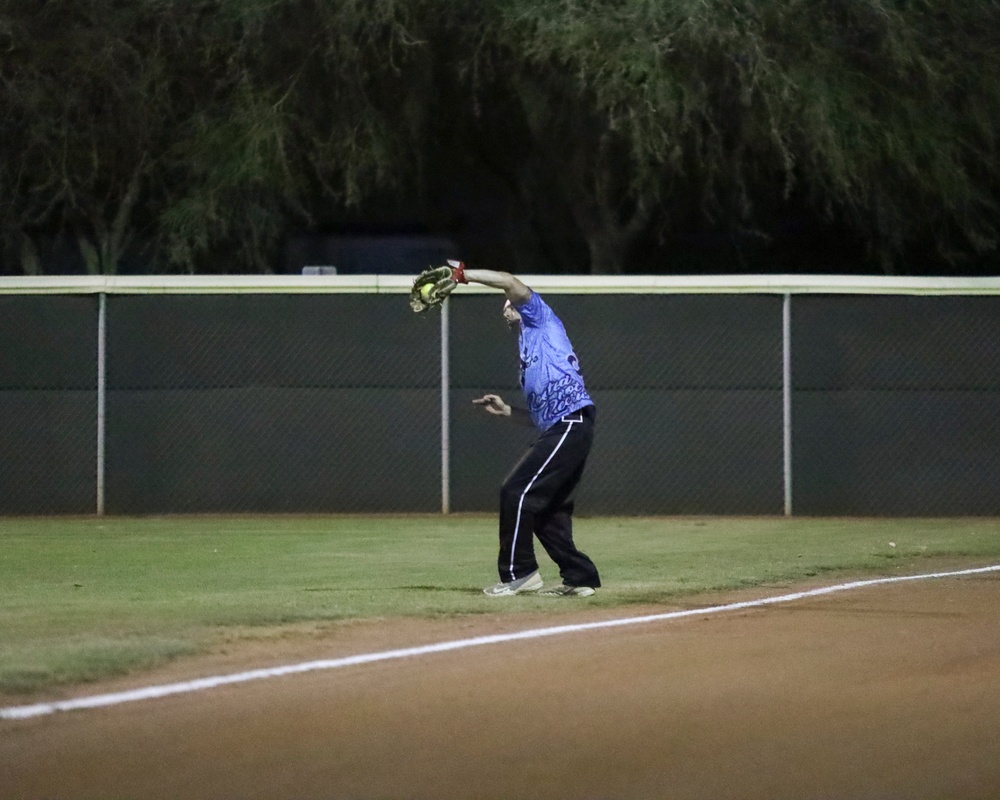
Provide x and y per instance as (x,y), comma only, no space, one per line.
(786,389)
(445,414)
(102,352)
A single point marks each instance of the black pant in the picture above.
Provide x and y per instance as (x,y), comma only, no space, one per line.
(537,498)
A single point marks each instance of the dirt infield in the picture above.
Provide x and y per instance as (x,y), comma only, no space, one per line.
(890,691)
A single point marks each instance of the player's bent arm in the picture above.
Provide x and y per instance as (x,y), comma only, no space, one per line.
(517,292)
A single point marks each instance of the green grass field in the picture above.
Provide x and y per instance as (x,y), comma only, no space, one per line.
(84,599)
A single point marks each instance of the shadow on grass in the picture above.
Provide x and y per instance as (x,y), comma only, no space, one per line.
(428,588)
(449,589)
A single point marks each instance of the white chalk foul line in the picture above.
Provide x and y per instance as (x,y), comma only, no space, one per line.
(164,690)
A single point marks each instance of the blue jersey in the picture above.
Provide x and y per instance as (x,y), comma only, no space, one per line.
(550,372)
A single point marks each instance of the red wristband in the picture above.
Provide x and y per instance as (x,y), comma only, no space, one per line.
(458,271)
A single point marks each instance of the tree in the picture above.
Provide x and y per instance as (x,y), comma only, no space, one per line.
(309,110)
(75,128)
(876,112)
(195,135)
(192,129)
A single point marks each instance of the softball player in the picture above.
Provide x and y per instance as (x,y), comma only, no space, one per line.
(537,496)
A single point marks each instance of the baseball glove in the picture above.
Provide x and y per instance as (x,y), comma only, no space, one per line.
(433,285)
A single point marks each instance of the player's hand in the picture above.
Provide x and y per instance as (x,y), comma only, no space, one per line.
(494,404)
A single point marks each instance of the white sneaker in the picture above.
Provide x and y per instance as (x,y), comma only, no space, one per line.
(562,590)
(529,583)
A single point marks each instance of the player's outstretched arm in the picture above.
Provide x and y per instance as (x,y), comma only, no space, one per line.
(517,292)
(494,404)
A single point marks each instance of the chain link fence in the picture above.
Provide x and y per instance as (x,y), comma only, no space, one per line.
(333,402)
(48,404)
(896,405)
(277,403)
(688,390)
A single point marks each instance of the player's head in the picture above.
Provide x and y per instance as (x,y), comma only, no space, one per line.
(511,314)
